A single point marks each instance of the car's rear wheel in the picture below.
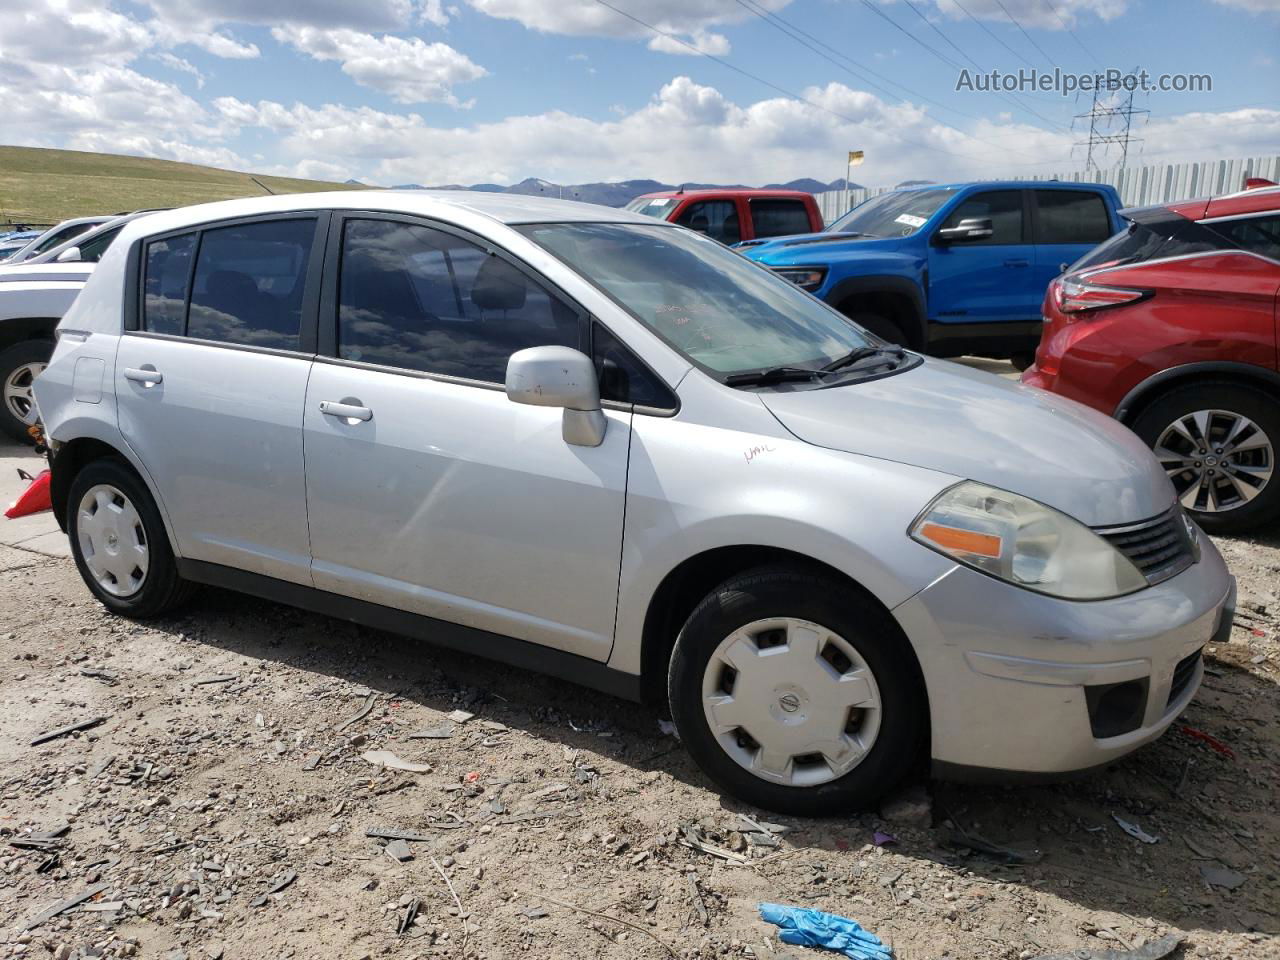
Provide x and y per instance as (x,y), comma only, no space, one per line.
(797,693)
(20,364)
(1217,442)
(881,326)
(119,542)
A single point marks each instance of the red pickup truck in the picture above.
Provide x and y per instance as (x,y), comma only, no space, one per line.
(734,215)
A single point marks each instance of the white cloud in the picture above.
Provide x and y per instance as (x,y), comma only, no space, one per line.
(700,41)
(688,19)
(433,12)
(1253,6)
(361,15)
(70,31)
(181,65)
(408,69)
(1038,13)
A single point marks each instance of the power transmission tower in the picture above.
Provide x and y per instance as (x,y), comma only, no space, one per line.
(1110,122)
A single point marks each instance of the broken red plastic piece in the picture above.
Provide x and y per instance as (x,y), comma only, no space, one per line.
(1256,183)
(34,499)
(1211,740)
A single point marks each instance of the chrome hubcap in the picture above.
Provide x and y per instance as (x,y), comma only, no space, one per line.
(18,399)
(1217,460)
(791,701)
(112,540)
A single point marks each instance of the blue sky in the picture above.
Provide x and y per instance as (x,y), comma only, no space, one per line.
(434,91)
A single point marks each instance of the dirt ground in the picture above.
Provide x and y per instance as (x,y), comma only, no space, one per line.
(221,808)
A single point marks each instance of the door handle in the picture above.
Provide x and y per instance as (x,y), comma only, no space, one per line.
(148,376)
(1017,262)
(345,411)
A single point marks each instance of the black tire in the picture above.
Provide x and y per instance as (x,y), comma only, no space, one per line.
(881,326)
(1022,359)
(12,359)
(1240,399)
(785,591)
(161,589)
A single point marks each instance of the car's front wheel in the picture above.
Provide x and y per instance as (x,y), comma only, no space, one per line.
(797,693)
(20,364)
(119,542)
(1217,442)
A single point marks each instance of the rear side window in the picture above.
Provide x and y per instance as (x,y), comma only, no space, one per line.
(1002,207)
(1071,216)
(249,283)
(1255,234)
(167,274)
(779,218)
(91,250)
(718,219)
(418,298)
(1151,239)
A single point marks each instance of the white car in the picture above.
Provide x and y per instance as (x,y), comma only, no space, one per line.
(34,294)
(611,449)
(56,236)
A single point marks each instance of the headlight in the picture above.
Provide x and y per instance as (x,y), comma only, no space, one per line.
(806,278)
(1025,543)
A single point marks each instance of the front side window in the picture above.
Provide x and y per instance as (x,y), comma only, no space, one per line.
(718,219)
(717,309)
(91,250)
(897,214)
(415,297)
(1071,216)
(166,273)
(1002,207)
(779,218)
(61,236)
(249,283)
(1255,234)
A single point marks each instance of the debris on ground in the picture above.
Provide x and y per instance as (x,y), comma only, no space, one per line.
(911,807)
(1155,950)
(386,758)
(1223,877)
(806,927)
(1133,830)
(69,728)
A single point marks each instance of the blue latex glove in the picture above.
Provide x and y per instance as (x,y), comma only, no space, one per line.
(804,927)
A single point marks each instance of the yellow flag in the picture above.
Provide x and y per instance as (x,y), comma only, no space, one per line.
(855,157)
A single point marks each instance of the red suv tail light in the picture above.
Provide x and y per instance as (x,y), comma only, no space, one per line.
(1075,296)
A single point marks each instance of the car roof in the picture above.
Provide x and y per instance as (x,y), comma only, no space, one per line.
(725,192)
(438,204)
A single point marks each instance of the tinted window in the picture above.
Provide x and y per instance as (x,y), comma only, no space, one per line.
(62,236)
(167,272)
(718,219)
(1071,216)
(415,297)
(779,218)
(91,250)
(1152,239)
(249,283)
(1002,207)
(1255,234)
(622,376)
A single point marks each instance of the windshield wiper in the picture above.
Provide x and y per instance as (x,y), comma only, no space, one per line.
(862,353)
(771,375)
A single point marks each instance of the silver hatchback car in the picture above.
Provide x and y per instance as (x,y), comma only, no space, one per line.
(610,449)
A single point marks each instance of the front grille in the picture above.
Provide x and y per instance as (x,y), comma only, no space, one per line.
(1182,674)
(1160,548)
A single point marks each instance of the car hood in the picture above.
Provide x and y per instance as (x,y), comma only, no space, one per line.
(27,272)
(947,417)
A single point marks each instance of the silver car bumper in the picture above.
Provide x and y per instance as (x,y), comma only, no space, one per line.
(1021,682)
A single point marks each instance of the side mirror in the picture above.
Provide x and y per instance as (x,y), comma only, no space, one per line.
(971,228)
(69,255)
(560,377)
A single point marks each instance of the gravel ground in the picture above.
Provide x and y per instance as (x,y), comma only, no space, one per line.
(221,807)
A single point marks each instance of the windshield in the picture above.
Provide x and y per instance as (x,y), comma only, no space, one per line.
(897,214)
(718,310)
(1170,236)
(651,207)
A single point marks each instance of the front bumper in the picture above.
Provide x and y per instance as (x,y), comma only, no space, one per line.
(1025,683)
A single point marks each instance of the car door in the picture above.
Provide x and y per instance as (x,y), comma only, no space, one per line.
(1067,224)
(427,489)
(211,376)
(987,280)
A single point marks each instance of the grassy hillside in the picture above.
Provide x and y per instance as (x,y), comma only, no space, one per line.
(45,186)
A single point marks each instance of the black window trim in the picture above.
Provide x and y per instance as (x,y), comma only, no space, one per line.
(327,307)
(1032,211)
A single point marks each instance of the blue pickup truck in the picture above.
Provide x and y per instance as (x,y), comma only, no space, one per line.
(949,270)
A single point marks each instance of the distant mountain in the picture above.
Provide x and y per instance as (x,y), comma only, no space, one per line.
(618,193)
(916,183)
(353,183)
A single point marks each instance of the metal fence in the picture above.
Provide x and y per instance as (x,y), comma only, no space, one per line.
(1138,186)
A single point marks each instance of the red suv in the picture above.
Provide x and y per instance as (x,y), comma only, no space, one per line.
(734,214)
(1171,327)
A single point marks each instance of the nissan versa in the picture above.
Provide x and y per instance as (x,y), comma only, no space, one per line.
(608,448)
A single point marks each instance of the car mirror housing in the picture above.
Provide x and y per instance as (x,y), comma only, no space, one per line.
(971,228)
(69,255)
(560,377)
